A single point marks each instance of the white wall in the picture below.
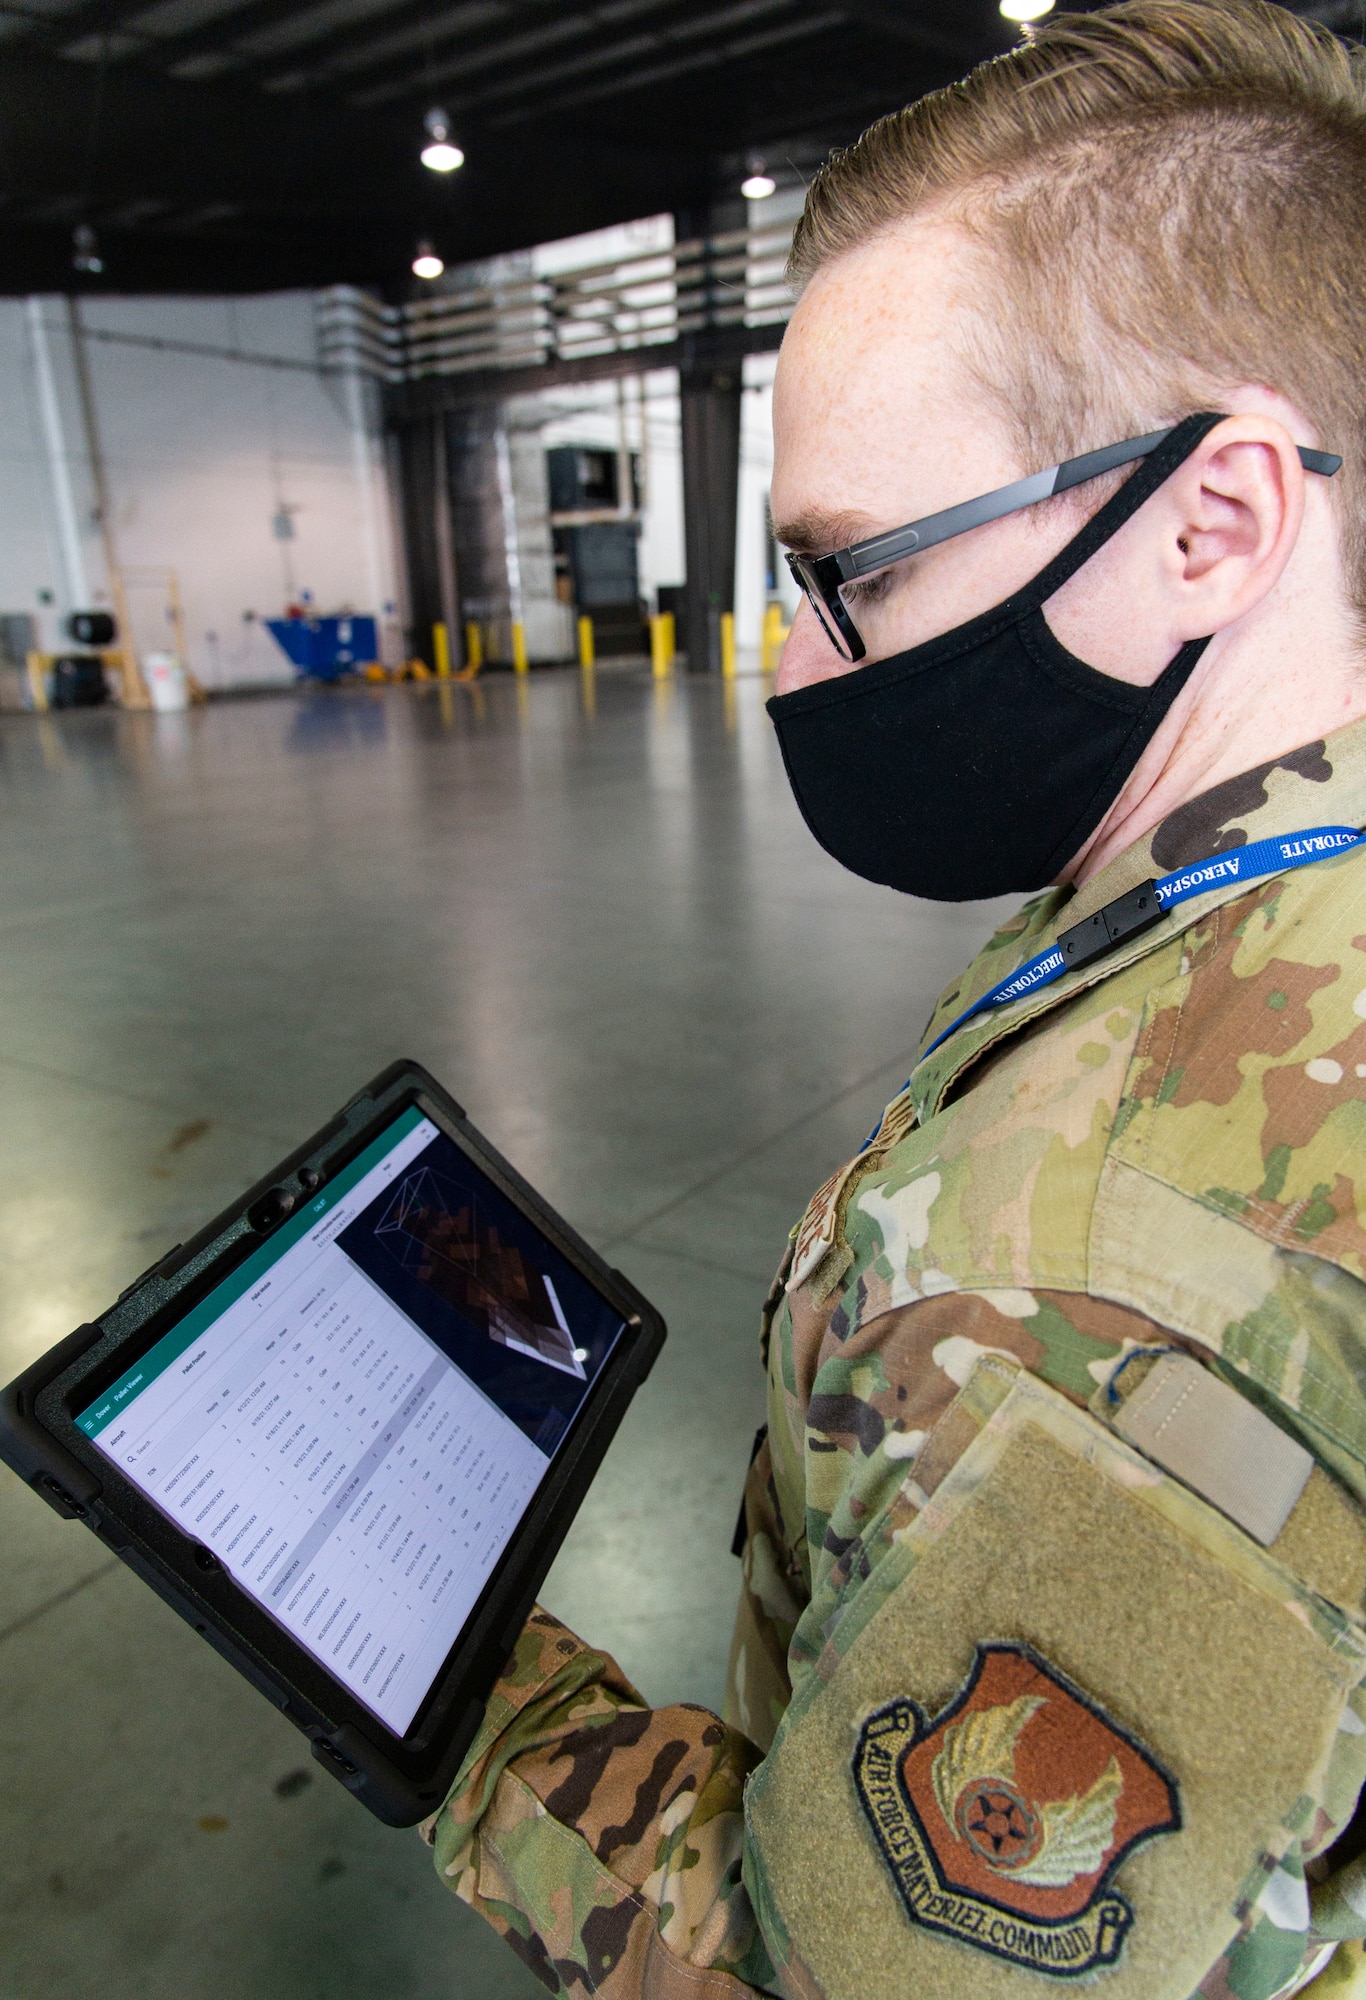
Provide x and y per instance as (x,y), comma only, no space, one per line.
(202,456)
(756,476)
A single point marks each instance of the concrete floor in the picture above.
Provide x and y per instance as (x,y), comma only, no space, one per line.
(594,912)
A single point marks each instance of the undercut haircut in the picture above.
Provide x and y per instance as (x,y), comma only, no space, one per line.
(1171,196)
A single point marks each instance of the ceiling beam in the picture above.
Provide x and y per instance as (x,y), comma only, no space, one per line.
(597,26)
(414,402)
(909,24)
(616,52)
(736,50)
(416,28)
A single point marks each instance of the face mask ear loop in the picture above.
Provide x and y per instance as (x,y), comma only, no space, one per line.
(1161,695)
(1153,472)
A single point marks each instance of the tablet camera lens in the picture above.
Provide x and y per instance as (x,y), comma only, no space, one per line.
(270,1209)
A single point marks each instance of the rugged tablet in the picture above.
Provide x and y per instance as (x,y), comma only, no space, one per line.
(344,1431)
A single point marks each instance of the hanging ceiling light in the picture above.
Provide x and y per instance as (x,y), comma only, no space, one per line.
(85,250)
(1026,10)
(438,153)
(427,264)
(759,184)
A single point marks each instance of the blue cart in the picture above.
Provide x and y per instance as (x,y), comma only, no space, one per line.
(323,649)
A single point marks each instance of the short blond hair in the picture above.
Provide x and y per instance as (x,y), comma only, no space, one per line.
(1172,194)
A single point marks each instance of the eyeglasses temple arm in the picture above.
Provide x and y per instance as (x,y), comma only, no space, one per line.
(883,550)
(1074,471)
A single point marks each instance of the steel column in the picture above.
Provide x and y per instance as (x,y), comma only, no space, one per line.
(710,405)
(427,535)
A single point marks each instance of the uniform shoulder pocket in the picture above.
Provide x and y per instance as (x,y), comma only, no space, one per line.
(1066,1730)
(1226,1207)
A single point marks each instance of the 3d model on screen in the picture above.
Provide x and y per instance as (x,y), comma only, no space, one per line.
(440,1235)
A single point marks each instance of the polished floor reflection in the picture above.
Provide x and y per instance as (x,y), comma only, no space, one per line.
(590,906)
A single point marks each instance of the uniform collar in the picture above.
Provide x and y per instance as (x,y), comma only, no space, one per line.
(1323,782)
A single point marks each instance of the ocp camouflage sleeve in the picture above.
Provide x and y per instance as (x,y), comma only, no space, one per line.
(1012,1702)
(603,1838)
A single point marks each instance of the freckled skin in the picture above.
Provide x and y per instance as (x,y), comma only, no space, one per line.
(878,420)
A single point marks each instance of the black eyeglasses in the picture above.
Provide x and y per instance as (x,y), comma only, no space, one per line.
(824,579)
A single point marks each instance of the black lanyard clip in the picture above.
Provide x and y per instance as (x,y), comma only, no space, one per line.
(1127,917)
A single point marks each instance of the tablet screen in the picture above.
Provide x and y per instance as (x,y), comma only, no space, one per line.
(356,1420)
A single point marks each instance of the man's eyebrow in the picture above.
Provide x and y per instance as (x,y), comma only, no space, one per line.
(816,532)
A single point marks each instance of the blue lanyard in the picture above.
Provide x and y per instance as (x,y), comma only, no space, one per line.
(1130,915)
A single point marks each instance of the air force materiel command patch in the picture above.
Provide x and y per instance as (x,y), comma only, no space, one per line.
(1004,1819)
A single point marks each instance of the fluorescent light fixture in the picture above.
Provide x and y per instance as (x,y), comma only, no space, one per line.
(427,264)
(439,153)
(1026,10)
(441,158)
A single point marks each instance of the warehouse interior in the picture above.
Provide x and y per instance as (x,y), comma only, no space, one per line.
(388,603)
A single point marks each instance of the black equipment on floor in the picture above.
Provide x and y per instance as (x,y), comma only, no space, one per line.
(78,682)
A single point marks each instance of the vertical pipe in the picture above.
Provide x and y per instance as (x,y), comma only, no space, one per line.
(512,555)
(135,690)
(363,466)
(71,563)
(176,610)
(441,650)
(444,545)
(643,466)
(587,652)
(626,499)
(728,644)
(392,492)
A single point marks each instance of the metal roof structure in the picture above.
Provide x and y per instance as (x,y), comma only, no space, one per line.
(235,145)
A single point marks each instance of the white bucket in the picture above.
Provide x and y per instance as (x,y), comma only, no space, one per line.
(166,682)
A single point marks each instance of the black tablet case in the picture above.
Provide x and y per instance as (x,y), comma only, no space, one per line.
(400,1780)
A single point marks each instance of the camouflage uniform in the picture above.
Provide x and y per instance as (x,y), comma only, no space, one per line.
(1160,1152)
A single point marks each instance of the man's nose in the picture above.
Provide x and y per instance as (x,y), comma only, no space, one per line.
(808,654)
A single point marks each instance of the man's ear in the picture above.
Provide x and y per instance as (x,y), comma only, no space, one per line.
(1233,516)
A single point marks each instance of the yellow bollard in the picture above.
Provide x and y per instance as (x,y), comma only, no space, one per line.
(766,640)
(519,659)
(774,638)
(441,651)
(38,664)
(661,645)
(474,647)
(728,644)
(587,654)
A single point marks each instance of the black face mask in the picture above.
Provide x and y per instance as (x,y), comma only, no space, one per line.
(979,762)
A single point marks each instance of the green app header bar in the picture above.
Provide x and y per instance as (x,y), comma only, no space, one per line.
(185,1332)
